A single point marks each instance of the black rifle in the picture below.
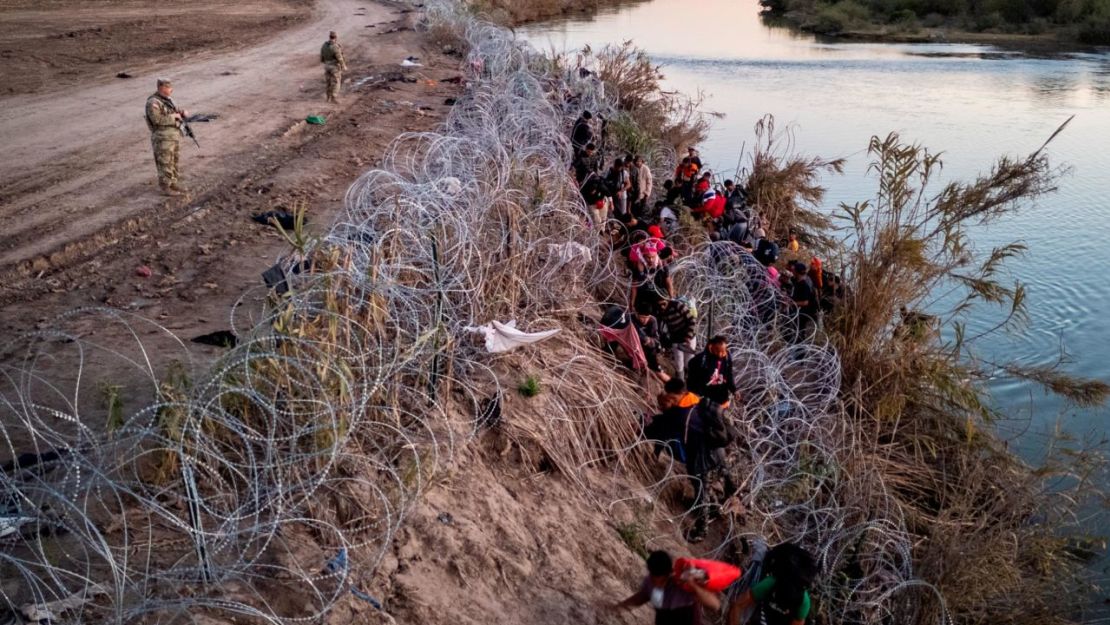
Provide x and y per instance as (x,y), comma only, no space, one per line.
(188,131)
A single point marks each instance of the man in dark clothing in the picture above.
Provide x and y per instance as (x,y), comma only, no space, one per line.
(585,164)
(676,601)
(735,225)
(634,182)
(581,135)
(618,182)
(710,373)
(594,190)
(805,299)
(651,281)
(692,154)
(736,197)
(832,293)
(672,192)
(648,329)
(766,250)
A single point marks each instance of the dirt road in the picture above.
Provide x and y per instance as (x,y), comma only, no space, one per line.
(77,161)
(79,199)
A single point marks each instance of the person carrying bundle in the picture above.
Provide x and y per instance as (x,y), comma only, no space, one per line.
(677,598)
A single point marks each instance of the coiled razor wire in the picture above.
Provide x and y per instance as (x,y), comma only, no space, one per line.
(255,487)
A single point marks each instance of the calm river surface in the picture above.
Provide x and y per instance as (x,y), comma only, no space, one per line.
(972,102)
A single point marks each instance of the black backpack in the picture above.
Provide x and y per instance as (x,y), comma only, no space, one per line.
(714,425)
(612,182)
(594,190)
(767,251)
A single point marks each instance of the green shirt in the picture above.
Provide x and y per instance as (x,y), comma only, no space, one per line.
(762,591)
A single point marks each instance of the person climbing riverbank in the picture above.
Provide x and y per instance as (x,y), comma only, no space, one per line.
(782,596)
(676,600)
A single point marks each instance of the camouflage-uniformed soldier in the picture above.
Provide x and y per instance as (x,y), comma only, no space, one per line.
(331,55)
(164,120)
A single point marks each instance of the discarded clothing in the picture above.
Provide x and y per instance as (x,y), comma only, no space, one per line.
(629,339)
(565,253)
(503,337)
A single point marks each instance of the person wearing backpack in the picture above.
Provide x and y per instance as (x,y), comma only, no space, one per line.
(782,596)
(680,321)
(668,426)
(766,251)
(595,194)
(710,376)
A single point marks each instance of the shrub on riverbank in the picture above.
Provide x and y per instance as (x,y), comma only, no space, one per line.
(1085,21)
(991,533)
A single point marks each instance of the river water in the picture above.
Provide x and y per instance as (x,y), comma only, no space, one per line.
(972,102)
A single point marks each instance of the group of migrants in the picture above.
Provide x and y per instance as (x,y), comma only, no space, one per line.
(692,422)
(168,122)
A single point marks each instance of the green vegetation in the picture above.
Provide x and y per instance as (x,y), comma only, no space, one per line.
(1082,21)
(634,535)
(113,403)
(530,387)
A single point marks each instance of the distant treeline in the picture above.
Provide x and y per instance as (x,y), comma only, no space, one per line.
(1085,21)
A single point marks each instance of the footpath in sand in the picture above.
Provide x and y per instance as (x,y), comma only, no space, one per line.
(78,192)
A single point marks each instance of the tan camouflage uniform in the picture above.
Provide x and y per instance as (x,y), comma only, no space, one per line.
(165,138)
(331,55)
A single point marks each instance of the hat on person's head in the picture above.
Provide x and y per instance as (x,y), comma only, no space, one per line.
(333,35)
(649,248)
(655,231)
(165,82)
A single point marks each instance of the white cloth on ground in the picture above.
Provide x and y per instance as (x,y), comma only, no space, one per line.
(503,337)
